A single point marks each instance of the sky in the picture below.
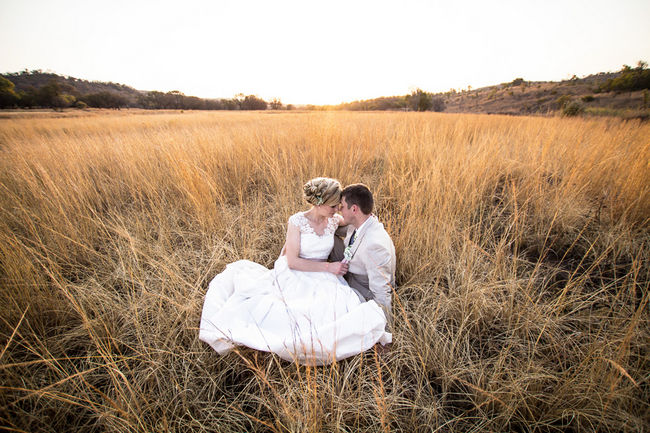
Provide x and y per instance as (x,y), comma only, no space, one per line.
(321,52)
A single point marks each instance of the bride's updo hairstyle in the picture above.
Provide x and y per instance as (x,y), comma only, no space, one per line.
(322,190)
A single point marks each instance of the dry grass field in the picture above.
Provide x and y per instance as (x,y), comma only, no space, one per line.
(522,286)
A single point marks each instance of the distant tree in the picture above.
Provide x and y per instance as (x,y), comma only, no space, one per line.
(27,98)
(105,100)
(517,82)
(65,100)
(176,97)
(290,107)
(230,104)
(252,102)
(438,104)
(276,104)
(214,104)
(48,95)
(238,100)
(194,103)
(8,97)
(419,100)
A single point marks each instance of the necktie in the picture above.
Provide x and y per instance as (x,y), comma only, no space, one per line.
(353,238)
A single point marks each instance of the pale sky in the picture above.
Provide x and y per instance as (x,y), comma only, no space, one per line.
(321,52)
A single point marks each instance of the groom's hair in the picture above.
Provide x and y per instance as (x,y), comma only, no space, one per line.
(360,195)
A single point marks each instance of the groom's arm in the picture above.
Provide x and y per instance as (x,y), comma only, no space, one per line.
(380,275)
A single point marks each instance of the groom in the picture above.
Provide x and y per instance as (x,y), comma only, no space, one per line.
(371,252)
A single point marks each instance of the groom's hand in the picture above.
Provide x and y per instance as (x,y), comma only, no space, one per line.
(338,268)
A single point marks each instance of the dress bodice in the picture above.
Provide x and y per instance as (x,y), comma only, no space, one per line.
(312,245)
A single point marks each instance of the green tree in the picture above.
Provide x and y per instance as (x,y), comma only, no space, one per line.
(48,95)
(629,79)
(419,100)
(8,97)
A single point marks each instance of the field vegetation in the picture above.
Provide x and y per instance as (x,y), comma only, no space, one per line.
(522,288)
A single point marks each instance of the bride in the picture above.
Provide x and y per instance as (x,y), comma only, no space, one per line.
(302,309)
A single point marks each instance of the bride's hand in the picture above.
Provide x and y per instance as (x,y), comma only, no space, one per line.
(337,268)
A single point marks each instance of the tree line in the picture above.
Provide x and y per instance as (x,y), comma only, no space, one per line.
(629,79)
(417,100)
(46,90)
(31,89)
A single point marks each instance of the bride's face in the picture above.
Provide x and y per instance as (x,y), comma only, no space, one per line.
(327,211)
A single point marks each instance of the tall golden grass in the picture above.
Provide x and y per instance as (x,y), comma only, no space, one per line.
(522,286)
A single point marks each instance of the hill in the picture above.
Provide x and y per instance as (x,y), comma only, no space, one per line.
(36,79)
(623,93)
(30,89)
(544,97)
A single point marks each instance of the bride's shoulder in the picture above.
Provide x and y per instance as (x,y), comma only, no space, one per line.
(298,219)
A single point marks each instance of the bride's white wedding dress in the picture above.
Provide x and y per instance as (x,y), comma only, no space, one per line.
(308,317)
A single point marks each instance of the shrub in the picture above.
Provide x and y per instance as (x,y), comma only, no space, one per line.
(563,100)
(573,108)
(588,98)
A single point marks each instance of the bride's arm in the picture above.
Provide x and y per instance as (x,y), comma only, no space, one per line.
(292,251)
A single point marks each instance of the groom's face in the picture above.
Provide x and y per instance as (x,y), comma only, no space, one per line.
(347,212)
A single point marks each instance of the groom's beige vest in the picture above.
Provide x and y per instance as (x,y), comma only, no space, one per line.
(372,268)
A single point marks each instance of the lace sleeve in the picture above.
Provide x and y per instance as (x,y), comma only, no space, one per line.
(294,220)
(299,220)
